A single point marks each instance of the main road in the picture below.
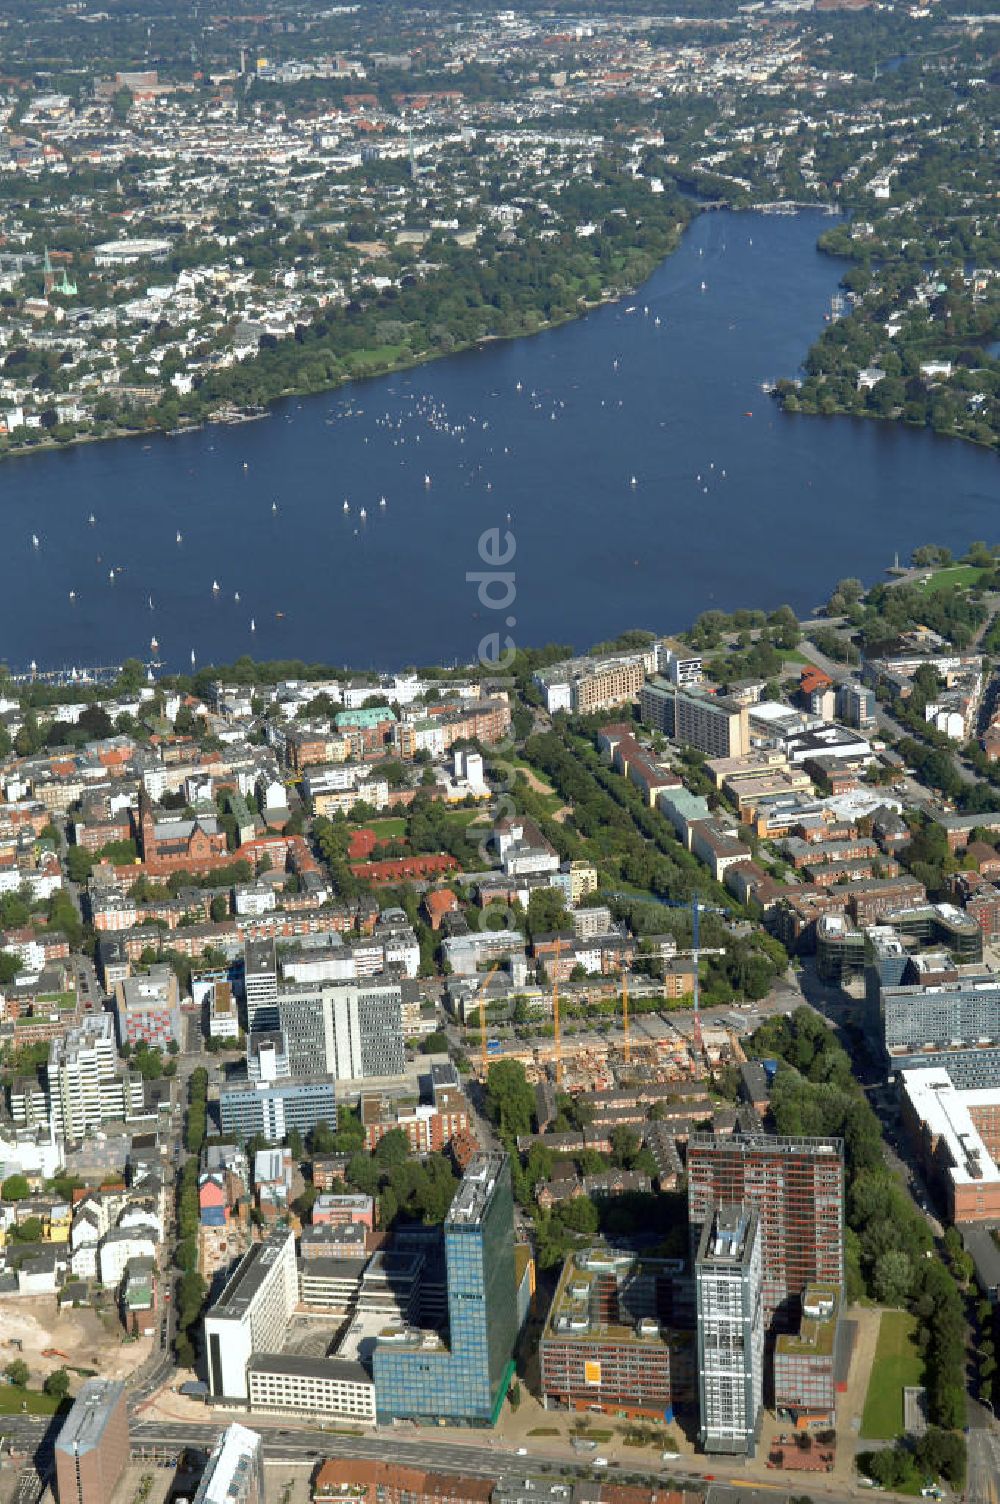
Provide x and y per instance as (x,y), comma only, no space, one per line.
(475,1458)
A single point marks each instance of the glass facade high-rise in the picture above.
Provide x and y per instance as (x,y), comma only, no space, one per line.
(425,1378)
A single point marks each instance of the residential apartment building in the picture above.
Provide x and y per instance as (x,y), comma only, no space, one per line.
(429,1126)
(274,1108)
(370,1480)
(679,663)
(252,1314)
(418,1377)
(796,1184)
(585,685)
(148,1009)
(729,1294)
(83,1085)
(717,725)
(92,1448)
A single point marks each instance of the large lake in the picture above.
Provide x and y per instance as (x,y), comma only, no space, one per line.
(732,503)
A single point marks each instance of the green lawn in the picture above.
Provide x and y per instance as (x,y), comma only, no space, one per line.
(954,574)
(385,830)
(30,1401)
(897,1365)
(466,817)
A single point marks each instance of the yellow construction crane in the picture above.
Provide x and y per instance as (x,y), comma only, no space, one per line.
(557,1046)
(628,1041)
(482,1018)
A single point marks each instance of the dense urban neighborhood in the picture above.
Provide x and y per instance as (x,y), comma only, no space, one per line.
(499,1074)
(601,1058)
(197,220)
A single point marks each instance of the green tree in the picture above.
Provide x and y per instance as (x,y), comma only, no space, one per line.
(15,1188)
(510,1099)
(392,1149)
(56,1384)
(79,864)
(17,1373)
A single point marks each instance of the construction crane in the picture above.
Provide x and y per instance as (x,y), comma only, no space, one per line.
(697,907)
(628,1041)
(482,1018)
(696,951)
(557,1040)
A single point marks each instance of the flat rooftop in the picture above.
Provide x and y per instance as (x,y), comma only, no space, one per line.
(817,1334)
(254,1268)
(92,1409)
(474,1194)
(767,1143)
(569,1317)
(946,1113)
(235,1453)
(308,1368)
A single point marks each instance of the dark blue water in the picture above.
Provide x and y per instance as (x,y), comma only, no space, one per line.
(784,506)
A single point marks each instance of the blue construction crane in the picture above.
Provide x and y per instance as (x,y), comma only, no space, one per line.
(697,906)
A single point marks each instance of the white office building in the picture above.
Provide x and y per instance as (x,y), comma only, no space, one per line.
(252,1314)
(729,1288)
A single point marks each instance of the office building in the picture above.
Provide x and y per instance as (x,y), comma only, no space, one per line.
(717,725)
(609,1343)
(419,1377)
(260,984)
(83,1085)
(807,1362)
(348,1030)
(234,1473)
(954,1025)
(148,1009)
(728,1285)
(797,1187)
(274,1108)
(252,1314)
(92,1448)
(267,1057)
(282,1382)
(223,1015)
(956,1134)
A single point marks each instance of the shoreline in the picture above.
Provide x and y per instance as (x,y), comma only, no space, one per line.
(229,416)
(392,368)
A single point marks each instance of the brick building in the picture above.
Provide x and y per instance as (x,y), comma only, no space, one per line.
(372,1481)
(172,845)
(429,1127)
(92,1448)
(797,1185)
